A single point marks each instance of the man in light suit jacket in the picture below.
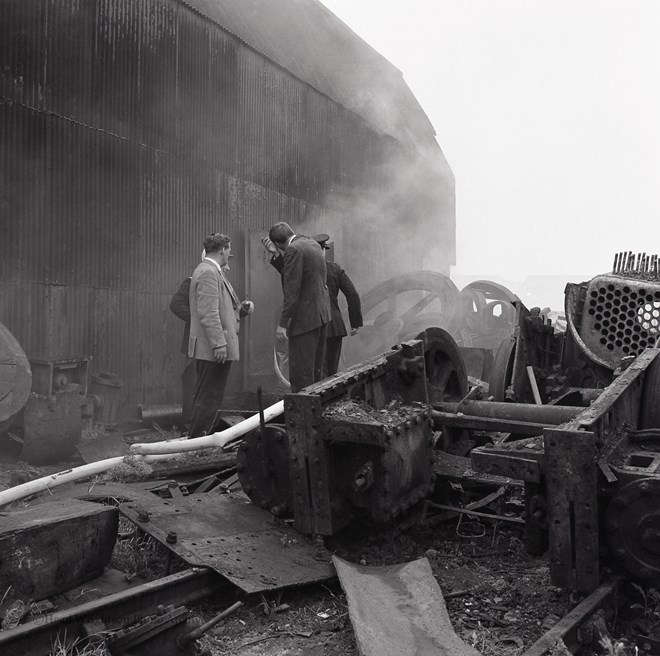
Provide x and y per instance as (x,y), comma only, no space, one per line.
(215,312)
(306,307)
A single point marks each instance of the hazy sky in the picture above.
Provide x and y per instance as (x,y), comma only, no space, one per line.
(549,115)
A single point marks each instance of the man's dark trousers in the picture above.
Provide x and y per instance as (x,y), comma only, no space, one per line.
(332,355)
(307,357)
(211,383)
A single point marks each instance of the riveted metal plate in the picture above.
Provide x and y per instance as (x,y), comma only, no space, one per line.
(240,541)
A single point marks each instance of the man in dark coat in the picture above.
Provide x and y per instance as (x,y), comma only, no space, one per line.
(337,281)
(306,306)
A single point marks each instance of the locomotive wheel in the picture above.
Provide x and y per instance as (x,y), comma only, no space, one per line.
(400,307)
(502,371)
(488,312)
(491,291)
(632,523)
(446,375)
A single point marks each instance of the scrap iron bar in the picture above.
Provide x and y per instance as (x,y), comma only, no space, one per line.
(115,610)
(550,415)
(487,423)
(567,628)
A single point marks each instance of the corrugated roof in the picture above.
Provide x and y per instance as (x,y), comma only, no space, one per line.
(308,40)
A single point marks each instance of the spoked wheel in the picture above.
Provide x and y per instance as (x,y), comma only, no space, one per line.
(489,312)
(446,375)
(403,306)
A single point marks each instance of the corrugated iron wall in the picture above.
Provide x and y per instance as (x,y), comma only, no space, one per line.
(128,131)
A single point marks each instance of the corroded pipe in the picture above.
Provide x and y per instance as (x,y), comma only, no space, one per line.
(163,415)
(552,415)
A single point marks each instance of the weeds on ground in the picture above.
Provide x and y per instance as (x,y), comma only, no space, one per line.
(94,432)
(617,648)
(129,469)
(140,556)
(78,647)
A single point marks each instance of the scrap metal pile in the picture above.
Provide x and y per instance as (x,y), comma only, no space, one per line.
(574,416)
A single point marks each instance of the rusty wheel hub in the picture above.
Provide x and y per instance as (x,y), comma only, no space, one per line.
(632,523)
(263,469)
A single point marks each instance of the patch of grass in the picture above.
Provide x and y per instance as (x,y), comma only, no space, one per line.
(94,432)
(92,646)
(141,556)
(130,469)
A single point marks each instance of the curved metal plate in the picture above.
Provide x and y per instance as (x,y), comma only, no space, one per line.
(15,375)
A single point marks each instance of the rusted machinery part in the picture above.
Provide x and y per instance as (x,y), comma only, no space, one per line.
(436,303)
(262,463)
(632,526)
(650,409)
(15,377)
(502,369)
(446,375)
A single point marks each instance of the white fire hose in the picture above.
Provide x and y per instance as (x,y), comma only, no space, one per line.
(142,453)
(220,439)
(67,476)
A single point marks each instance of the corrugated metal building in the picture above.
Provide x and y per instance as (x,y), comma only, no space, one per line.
(129,130)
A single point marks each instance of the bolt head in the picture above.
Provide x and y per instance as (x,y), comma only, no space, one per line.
(644,488)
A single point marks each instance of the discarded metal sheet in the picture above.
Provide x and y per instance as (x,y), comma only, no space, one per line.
(398,609)
(244,543)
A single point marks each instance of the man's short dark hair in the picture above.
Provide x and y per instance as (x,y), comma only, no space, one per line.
(280,233)
(216,242)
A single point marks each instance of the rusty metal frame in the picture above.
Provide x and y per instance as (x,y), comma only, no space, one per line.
(321,502)
(581,463)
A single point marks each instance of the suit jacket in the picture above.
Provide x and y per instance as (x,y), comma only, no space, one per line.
(180,306)
(338,281)
(214,314)
(306,301)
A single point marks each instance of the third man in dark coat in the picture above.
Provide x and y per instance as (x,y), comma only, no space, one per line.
(338,281)
(306,305)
